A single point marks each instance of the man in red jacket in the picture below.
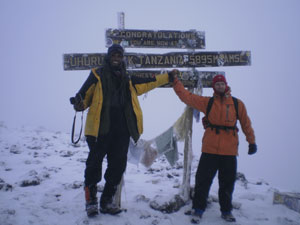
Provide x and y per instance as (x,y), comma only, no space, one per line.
(219,143)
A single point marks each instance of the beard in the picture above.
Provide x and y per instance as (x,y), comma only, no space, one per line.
(221,93)
(117,70)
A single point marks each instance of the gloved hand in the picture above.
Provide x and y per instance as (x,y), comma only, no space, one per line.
(172,74)
(79,106)
(77,103)
(205,122)
(252,149)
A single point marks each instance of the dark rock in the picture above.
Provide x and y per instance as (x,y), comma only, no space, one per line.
(168,207)
(141,198)
(4,186)
(33,182)
(64,153)
(241,177)
(15,149)
(169,175)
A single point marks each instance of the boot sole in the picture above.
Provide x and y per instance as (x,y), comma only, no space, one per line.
(92,214)
(111,213)
(228,219)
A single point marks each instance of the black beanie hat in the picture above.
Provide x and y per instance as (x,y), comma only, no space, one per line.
(115,48)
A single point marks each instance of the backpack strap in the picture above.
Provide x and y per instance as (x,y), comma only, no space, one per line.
(209,105)
(99,71)
(236,106)
(206,122)
(211,101)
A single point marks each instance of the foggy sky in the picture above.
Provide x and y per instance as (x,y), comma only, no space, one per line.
(35,90)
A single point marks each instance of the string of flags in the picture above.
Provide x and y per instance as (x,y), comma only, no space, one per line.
(145,152)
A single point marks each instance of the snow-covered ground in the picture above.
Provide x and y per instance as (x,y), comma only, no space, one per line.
(41,182)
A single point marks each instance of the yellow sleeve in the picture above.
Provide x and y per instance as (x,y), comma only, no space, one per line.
(145,87)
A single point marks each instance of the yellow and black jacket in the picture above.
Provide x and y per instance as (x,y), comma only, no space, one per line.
(92,94)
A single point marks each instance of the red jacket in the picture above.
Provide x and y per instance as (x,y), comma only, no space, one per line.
(222,113)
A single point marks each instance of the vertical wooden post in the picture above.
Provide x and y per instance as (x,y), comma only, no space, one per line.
(121,20)
(188,152)
(117,197)
(188,149)
(188,155)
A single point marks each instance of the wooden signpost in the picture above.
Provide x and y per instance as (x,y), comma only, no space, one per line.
(188,78)
(156,38)
(81,61)
(191,59)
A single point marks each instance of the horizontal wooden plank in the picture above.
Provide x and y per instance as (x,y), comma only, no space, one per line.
(169,60)
(156,38)
(80,61)
(188,78)
(291,200)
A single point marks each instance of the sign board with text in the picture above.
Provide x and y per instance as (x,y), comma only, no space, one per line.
(156,38)
(169,60)
(189,78)
(141,65)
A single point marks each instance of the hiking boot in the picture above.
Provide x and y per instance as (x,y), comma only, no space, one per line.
(196,215)
(197,212)
(106,202)
(110,208)
(227,216)
(91,209)
(91,203)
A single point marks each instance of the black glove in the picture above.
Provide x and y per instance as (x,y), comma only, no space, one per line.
(205,122)
(171,77)
(172,74)
(252,149)
(79,107)
(77,103)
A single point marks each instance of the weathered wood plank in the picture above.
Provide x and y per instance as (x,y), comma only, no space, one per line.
(132,38)
(188,78)
(291,200)
(168,60)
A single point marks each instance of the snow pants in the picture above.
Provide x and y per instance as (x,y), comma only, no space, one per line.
(209,164)
(114,146)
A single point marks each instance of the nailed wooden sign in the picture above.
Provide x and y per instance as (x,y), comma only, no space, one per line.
(168,60)
(291,200)
(189,79)
(156,38)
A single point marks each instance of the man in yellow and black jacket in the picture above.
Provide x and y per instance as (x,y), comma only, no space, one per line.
(114,116)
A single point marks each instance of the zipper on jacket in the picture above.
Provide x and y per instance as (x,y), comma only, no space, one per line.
(221,113)
(227,112)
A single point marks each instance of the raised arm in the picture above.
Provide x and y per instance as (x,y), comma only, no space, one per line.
(145,87)
(192,100)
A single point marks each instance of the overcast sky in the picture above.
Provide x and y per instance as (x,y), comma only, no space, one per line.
(35,90)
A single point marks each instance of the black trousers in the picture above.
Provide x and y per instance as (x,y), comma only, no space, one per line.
(209,164)
(114,145)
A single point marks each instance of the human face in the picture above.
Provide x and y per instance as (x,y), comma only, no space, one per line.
(220,87)
(116,59)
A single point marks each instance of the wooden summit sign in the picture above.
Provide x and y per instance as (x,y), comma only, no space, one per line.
(165,39)
(168,60)
(156,39)
(189,79)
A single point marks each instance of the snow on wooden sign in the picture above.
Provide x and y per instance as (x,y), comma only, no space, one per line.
(189,78)
(80,61)
(155,38)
